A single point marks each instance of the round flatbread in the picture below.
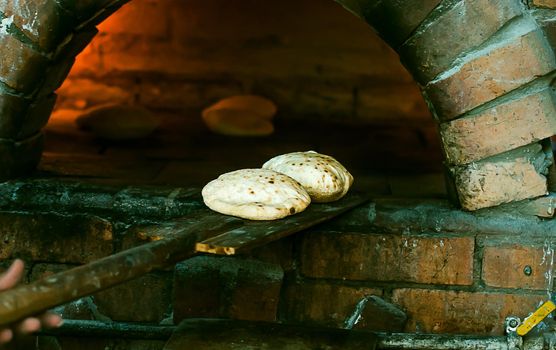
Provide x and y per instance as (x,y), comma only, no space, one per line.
(244,115)
(118,122)
(255,194)
(322,176)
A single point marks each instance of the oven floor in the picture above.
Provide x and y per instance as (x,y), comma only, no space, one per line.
(402,160)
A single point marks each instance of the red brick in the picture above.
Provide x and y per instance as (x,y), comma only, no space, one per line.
(323,304)
(36,117)
(55,238)
(511,176)
(551,4)
(42,21)
(77,43)
(11,109)
(395,20)
(213,287)
(55,75)
(503,266)
(84,9)
(501,128)
(492,72)
(430,51)
(388,257)
(146,299)
(440,311)
(21,67)
(21,119)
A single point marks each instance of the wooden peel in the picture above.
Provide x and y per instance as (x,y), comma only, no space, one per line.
(178,244)
(204,231)
(257,233)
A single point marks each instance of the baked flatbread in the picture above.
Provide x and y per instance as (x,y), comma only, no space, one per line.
(118,122)
(245,115)
(255,194)
(322,176)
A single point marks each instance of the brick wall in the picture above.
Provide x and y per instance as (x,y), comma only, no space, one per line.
(448,270)
(183,56)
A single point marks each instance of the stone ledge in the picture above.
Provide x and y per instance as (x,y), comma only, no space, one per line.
(430,217)
(147,202)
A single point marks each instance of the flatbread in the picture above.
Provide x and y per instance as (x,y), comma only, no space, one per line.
(256,194)
(118,122)
(322,176)
(244,115)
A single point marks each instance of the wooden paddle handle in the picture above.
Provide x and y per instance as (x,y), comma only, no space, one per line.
(34,298)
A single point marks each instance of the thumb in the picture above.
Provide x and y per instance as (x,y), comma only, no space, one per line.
(11,277)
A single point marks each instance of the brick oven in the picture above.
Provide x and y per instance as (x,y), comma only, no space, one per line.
(442,110)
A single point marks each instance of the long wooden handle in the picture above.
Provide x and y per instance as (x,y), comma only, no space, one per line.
(177,243)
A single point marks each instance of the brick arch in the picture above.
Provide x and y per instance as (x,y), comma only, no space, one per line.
(484,67)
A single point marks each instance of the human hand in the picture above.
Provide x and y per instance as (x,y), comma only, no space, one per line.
(32,324)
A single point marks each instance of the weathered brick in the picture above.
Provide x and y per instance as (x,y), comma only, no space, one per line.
(551,4)
(21,67)
(20,157)
(75,43)
(379,315)
(37,116)
(440,311)
(431,51)
(546,19)
(146,299)
(511,176)
(492,72)
(42,21)
(84,9)
(21,119)
(322,304)
(359,8)
(54,238)
(395,20)
(504,266)
(55,75)
(11,109)
(226,288)
(387,257)
(497,129)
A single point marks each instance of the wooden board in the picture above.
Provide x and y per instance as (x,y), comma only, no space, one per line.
(257,233)
(177,244)
(171,242)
